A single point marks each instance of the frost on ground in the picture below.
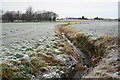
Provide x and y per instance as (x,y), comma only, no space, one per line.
(38,53)
(95,48)
(35,51)
(47,58)
(108,67)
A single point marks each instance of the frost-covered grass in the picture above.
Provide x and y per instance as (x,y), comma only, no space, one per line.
(94,47)
(26,45)
(29,52)
(97,28)
(36,62)
(35,58)
(108,67)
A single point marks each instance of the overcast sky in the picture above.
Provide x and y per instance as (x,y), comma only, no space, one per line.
(67,8)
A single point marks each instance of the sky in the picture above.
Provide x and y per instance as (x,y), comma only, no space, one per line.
(67,8)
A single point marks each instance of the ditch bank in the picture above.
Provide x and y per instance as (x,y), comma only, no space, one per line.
(91,50)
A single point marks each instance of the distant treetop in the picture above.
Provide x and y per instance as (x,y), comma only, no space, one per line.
(29,16)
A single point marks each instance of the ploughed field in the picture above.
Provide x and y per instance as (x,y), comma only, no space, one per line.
(41,50)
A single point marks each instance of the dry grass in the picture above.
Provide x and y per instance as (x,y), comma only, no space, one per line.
(94,48)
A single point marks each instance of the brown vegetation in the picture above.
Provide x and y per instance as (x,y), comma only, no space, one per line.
(93,49)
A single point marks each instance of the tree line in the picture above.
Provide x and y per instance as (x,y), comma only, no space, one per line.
(29,16)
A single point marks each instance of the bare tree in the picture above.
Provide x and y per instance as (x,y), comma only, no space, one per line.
(29,15)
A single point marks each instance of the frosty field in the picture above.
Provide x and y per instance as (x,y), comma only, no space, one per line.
(28,40)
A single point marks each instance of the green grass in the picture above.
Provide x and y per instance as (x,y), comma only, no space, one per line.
(56,53)
(18,55)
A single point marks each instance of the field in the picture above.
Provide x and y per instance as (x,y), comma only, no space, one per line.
(32,41)
(98,28)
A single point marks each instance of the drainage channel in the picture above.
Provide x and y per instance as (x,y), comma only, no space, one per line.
(84,60)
